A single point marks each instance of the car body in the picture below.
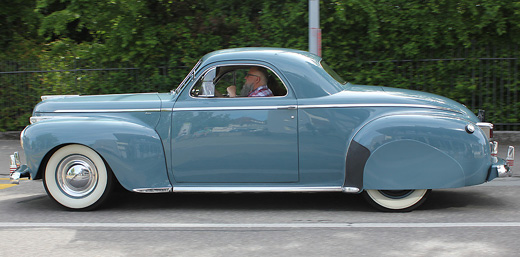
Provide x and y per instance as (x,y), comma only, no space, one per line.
(316,134)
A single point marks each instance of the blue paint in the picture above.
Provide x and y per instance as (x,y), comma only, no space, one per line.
(415,139)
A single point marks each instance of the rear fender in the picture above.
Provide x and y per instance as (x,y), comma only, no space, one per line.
(417,152)
(134,152)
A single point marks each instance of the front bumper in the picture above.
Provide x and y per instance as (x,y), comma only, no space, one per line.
(17,171)
(22,172)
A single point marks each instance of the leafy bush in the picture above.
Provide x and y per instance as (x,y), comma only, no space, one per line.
(440,46)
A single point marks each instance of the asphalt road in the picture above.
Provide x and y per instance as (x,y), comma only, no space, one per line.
(481,220)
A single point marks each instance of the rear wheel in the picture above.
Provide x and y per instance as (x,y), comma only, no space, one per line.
(396,200)
(77,178)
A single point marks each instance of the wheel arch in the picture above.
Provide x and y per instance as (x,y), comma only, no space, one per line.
(134,153)
(41,169)
(45,160)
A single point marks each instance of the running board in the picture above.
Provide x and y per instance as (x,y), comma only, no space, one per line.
(216,189)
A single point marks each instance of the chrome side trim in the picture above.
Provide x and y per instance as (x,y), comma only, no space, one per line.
(107,110)
(255,189)
(235,108)
(312,107)
(216,189)
(153,190)
(350,190)
(267,107)
(294,107)
(375,105)
(47,97)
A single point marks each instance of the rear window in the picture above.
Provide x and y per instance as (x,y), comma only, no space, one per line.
(332,73)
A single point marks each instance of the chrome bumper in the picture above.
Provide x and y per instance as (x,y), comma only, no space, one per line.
(22,172)
(17,171)
(500,167)
(501,170)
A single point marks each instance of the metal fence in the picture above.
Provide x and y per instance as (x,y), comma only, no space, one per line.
(22,84)
(479,83)
(490,84)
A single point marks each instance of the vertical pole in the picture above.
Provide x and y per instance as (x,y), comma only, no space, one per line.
(314,27)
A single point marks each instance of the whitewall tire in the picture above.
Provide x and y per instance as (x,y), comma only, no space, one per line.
(396,200)
(77,178)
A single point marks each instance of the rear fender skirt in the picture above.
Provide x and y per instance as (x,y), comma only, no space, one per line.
(409,164)
(417,152)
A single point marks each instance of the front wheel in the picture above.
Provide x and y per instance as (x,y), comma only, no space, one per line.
(77,178)
(396,200)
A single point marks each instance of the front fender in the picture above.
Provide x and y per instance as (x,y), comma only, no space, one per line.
(134,152)
(417,152)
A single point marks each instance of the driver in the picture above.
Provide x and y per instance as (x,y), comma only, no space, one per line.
(255,85)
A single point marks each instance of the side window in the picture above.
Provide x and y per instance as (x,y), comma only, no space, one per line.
(216,81)
(205,87)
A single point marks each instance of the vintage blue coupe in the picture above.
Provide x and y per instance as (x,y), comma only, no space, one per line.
(316,133)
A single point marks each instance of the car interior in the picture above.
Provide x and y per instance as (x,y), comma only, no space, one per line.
(216,80)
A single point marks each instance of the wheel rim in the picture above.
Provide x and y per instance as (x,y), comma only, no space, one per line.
(77,176)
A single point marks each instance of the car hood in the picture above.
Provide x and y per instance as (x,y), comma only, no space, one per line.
(100,103)
(366,95)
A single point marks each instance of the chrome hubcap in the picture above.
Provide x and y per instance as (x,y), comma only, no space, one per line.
(77,175)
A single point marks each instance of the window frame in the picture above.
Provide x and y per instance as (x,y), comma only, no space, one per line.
(214,67)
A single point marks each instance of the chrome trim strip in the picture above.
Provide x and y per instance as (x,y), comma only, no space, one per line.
(294,107)
(107,110)
(350,190)
(153,190)
(375,105)
(255,189)
(47,97)
(258,107)
(235,108)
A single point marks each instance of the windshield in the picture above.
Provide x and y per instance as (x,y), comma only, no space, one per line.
(188,77)
(332,73)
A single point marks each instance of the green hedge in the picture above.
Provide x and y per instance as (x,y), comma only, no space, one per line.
(439,46)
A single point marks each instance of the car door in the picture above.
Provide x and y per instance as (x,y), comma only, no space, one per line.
(219,139)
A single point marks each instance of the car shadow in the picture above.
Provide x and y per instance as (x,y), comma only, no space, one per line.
(122,200)
(239,201)
(441,199)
